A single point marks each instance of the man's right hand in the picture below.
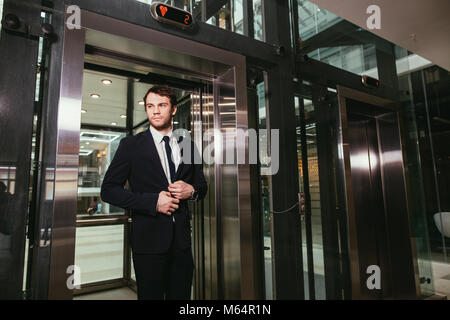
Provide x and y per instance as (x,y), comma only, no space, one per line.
(166,203)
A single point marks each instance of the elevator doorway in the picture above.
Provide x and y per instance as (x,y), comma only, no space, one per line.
(380,248)
(212,92)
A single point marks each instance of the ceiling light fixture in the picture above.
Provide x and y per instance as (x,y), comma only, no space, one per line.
(95,96)
(83,110)
(106,81)
(123,116)
(114,123)
(141,102)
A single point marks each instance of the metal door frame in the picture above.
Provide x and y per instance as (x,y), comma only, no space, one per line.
(63,235)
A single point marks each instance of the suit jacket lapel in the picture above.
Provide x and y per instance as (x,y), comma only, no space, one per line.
(155,156)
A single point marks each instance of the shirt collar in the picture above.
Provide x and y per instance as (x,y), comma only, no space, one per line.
(157,136)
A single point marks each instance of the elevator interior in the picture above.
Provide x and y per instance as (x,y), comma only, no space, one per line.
(377,213)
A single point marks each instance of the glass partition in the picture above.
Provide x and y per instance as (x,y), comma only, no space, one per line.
(99,253)
(427,135)
(97,149)
(335,41)
(310,192)
(225,14)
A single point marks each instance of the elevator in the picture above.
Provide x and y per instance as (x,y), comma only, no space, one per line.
(379,236)
(213,107)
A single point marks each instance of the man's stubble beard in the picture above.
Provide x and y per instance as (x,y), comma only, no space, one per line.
(166,125)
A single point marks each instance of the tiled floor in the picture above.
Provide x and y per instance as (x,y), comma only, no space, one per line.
(115,294)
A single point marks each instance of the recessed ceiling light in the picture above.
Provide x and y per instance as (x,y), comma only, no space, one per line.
(114,123)
(123,116)
(87,142)
(82,147)
(141,102)
(106,81)
(83,110)
(175,122)
(95,96)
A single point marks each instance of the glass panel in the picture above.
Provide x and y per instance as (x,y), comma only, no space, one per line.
(335,41)
(139,114)
(314,194)
(427,117)
(257,20)
(99,253)
(265,192)
(302,196)
(97,149)
(228,15)
(1,13)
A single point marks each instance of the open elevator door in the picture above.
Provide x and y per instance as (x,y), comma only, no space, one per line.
(221,106)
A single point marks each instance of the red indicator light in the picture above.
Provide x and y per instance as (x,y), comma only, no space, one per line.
(172,15)
(163,10)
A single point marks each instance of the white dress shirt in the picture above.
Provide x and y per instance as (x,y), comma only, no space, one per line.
(161,148)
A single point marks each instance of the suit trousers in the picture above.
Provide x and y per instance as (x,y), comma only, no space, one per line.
(167,275)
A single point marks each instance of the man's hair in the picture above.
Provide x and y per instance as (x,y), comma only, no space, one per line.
(162,90)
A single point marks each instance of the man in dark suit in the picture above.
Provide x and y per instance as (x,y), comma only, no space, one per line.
(161,182)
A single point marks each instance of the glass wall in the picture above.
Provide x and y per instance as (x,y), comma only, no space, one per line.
(427,135)
(335,41)
(265,191)
(1,12)
(99,253)
(225,14)
(311,218)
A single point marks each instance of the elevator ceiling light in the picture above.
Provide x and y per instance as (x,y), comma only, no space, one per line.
(87,142)
(123,116)
(106,81)
(175,122)
(95,96)
(141,102)
(114,123)
(83,110)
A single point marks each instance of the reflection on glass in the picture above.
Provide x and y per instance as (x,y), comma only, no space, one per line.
(427,118)
(97,149)
(99,253)
(359,58)
(228,15)
(265,195)
(314,194)
(1,13)
(257,20)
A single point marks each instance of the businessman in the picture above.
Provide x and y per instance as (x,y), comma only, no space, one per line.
(160,186)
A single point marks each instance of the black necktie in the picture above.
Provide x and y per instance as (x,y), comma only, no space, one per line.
(169,158)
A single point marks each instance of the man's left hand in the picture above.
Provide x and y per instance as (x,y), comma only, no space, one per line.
(181,190)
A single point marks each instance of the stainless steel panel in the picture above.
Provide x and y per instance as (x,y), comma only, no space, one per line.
(378,222)
(66,170)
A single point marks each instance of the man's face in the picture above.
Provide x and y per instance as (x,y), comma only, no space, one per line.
(159,111)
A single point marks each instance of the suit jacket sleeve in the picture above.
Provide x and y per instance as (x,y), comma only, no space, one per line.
(112,190)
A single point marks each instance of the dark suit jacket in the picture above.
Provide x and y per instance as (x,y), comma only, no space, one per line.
(137,161)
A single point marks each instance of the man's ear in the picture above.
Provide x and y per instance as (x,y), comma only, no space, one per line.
(174,110)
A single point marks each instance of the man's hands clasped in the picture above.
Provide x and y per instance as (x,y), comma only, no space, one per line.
(168,201)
